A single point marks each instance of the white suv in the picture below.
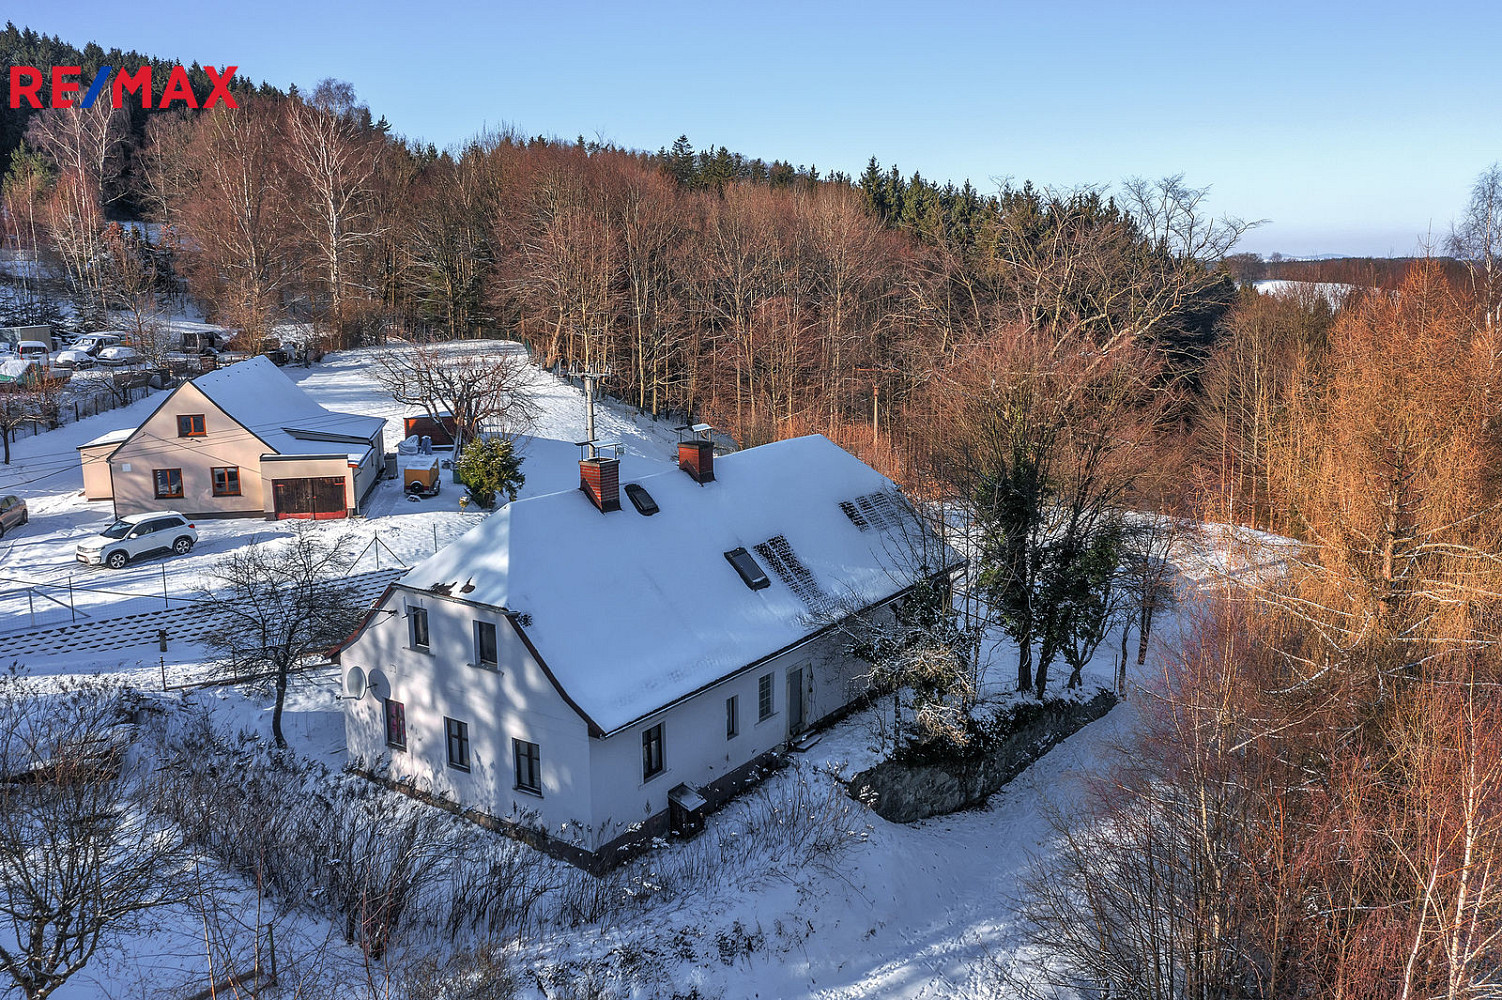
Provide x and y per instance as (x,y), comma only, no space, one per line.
(139,535)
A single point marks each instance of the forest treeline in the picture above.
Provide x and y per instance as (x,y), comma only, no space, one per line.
(768,298)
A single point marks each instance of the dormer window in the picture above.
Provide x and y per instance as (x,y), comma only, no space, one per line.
(190,425)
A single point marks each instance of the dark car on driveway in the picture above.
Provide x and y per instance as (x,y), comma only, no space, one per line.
(13,514)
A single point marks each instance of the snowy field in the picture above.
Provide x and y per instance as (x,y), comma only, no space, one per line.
(1333,292)
(909,911)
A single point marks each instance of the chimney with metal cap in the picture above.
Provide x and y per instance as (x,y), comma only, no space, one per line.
(696,457)
(600,479)
(696,452)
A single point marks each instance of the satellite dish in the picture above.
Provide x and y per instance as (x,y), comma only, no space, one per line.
(354,682)
(377,684)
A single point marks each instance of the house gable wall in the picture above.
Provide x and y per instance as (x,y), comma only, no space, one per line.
(156,445)
(515,701)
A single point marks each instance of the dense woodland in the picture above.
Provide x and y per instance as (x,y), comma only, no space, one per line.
(1315,805)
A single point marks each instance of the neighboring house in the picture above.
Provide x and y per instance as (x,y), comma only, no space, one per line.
(602,664)
(242,441)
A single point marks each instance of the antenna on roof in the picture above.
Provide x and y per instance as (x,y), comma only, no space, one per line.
(590,376)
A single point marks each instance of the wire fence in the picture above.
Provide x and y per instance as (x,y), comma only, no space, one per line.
(77,404)
(32,607)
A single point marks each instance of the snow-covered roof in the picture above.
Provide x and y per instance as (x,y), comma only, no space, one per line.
(272,407)
(110,437)
(631,612)
(15,368)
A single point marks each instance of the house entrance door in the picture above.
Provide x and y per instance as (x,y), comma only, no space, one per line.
(796,705)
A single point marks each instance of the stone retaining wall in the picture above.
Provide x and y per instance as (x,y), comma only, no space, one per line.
(906,792)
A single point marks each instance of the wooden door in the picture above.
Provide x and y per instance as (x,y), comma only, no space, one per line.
(319,498)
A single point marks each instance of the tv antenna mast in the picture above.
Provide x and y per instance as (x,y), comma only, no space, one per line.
(590,376)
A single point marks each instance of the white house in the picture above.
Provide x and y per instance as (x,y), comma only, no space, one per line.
(604,663)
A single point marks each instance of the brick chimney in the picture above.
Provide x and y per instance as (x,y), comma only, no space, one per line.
(696,457)
(600,479)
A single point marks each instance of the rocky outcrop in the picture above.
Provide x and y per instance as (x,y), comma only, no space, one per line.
(906,791)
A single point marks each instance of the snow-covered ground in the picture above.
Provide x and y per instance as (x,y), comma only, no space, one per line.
(925,910)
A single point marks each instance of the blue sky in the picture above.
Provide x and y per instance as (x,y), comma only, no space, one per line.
(1353,128)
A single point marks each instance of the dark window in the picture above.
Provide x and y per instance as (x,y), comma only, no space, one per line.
(764,698)
(417,619)
(528,766)
(190,425)
(485,650)
(169,483)
(457,734)
(641,500)
(651,752)
(227,481)
(396,724)
(732,716)
(748,569)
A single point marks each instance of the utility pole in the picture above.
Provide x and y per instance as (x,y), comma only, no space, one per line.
(590,376)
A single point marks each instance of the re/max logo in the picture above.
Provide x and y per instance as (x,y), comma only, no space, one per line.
(26,83)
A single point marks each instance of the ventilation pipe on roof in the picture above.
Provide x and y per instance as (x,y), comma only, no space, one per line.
(600,479)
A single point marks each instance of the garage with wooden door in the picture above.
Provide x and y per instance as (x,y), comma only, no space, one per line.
(316,497)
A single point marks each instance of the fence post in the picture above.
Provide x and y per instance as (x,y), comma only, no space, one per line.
(166,602)
(31,604)
(72,611)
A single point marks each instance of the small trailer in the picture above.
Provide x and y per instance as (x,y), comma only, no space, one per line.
(419,467)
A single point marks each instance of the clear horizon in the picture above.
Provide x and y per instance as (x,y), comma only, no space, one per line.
(1353,130)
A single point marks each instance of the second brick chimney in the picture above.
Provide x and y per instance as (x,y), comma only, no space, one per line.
(696,457)
(600,479)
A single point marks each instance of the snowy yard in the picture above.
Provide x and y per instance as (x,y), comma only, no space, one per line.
(925,910)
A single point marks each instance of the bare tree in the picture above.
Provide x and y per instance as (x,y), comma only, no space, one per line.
(280,604)
(90,143)
(130,286)
(1477,241)
(18,407)
(332,152)
(235,215)
(476,386)
(83,859)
